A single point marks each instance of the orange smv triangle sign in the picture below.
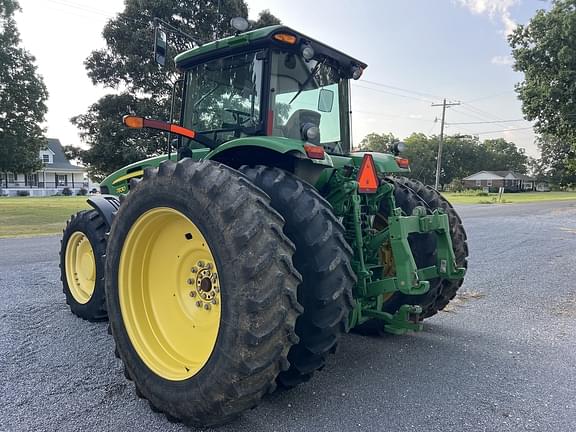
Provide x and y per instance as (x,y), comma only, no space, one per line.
(367,176)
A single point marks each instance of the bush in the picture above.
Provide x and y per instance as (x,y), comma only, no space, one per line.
(482,193)
(22,193)
(67,191)
(82,192)
(456,185)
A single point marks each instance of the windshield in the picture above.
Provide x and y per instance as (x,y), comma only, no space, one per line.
(223,97)
(304,92)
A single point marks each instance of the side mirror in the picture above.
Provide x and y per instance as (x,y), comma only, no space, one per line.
(325,100)
(160,46)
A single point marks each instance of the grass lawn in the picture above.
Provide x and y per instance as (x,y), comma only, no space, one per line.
(521,197)
(30,216)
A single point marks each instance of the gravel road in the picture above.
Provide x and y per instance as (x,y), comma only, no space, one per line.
(502,358)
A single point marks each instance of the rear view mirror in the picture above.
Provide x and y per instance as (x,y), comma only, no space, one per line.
(325,100)
(160,46)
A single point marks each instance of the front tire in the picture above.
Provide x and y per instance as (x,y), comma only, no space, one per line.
(201,291)
(82,265)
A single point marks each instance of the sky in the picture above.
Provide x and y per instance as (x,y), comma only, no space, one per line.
(418,53)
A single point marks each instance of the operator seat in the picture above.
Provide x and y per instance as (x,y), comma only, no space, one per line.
(293,127)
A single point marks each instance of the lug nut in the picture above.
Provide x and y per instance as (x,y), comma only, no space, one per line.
(192,293)
(208,266)
(207,306)
(216,289)
(214,301)
(199,303)
(201,264)
(194,270)
(190,281)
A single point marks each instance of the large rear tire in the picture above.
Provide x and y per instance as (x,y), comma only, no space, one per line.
(82,265)
(323,259)
(201,291)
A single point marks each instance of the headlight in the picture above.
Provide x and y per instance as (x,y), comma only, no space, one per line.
(308,52)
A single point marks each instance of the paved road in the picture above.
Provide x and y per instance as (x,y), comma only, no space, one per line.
(502,359)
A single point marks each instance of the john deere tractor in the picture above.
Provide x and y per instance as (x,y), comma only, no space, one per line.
(235,262)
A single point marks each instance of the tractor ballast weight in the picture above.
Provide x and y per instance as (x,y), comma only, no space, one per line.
(262,184)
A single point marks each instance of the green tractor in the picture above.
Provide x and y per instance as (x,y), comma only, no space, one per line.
(235,263)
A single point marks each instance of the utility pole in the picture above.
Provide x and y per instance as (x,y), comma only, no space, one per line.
(439,159)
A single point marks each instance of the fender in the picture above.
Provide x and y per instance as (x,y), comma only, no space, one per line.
(385,163)
(280,145)
(106,206)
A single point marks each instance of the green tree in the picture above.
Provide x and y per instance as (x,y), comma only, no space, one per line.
(461,155)
(421,150)
(378,142)
(558,161)
(22,99)
(545,51)
(126,64)
(502,155)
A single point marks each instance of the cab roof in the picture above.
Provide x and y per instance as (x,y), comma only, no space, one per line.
(259,38)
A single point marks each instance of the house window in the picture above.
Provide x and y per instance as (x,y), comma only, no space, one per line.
(32,179)
(489,183)
(61,180)
(45,158)
(478,182)
(11,178)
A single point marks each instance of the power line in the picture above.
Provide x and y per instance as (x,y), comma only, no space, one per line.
(419,93)
(82,8)
(393,94)
(489,96)
(486,122)
(501,130)
(391,115)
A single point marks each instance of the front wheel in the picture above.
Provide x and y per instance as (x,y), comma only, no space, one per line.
(201,291)
(82,262)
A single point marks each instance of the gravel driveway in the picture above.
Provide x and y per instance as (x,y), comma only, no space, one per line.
(502,358)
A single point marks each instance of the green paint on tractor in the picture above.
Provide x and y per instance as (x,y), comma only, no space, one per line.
(266,113)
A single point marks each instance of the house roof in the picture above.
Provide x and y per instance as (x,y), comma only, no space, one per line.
(498,175)
(60,161)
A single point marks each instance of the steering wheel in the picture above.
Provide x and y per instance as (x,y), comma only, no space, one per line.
(238,115)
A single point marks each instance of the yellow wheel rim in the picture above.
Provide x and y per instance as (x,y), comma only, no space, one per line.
(80,267)
(169,293)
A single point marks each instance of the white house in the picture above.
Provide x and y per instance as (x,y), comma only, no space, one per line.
(56,174)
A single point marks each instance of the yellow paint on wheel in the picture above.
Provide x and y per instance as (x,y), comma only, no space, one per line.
(80,267)
(169,293)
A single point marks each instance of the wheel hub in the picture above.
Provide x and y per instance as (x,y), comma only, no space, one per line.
(80,267)
(205,285)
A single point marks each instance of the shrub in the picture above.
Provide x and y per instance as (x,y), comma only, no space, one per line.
(456,185)
(82,192)
(22,193)
(67,191)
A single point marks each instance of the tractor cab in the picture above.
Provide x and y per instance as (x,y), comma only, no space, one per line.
(268,82)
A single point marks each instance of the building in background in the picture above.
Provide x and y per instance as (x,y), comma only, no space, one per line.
(56,175)
(509,180)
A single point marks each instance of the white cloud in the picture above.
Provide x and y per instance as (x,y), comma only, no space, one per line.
(502,60)
(494,9)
